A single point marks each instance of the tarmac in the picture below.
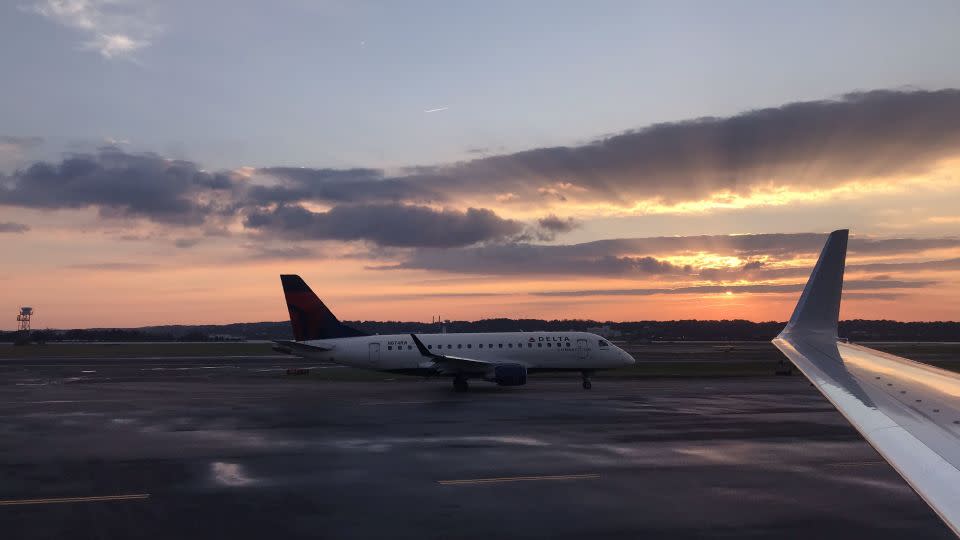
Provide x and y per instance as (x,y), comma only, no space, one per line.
(233,448)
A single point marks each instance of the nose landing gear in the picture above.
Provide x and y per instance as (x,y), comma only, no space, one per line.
(586,380)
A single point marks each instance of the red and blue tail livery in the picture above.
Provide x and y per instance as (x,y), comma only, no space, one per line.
(309,317)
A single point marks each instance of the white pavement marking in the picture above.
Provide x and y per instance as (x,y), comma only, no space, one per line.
(504,479)
(61,500)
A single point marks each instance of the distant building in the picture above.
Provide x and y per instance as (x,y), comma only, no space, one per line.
(605,331)
(225,337)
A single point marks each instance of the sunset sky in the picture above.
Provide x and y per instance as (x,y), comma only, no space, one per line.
(162,163)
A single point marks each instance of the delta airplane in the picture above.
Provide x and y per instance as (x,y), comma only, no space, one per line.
(504,358)
(908,411)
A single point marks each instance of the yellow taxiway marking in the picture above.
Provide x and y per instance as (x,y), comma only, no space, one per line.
(518,479)
(59,500)
(855,463)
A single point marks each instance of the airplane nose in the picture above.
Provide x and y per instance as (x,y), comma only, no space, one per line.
(627,359)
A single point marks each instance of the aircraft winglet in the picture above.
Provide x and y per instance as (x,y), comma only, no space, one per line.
(818,310)
(423,348)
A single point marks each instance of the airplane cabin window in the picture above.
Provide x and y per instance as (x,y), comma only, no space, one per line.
(509,345)
(480,346)
(459,346)
(549,345)
(449,346)
(469,346)
(409,347)
(389,347)
(499,345)
(539,344)
(429,346)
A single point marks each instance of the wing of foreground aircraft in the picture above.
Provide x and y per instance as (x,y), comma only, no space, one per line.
(908,411)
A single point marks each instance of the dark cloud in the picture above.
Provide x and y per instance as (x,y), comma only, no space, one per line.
(11,227)
(640,256)
(385,224)
(120,185)
(123,185)
(184,243)
(766,272)
(944,264)
(531,259)
(296,184)
(818,143)
(550,226)
(861,135)
(848,285)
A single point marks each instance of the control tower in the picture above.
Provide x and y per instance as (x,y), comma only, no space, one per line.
(23,319)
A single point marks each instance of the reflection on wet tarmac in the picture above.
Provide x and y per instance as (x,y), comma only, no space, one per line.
(229,474)
(231,453)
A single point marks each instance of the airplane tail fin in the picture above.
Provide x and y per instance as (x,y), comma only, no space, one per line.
(309,317)
(818,309)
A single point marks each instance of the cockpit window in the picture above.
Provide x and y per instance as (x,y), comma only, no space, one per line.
(604,343)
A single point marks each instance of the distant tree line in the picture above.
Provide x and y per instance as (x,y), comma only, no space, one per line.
(683,330)
(101,335)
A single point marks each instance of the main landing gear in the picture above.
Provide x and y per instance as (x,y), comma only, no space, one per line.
(460,384)
(586,380)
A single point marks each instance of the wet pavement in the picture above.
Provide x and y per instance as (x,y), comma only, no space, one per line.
(231,448)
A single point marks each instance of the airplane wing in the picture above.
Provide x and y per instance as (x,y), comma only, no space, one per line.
(292,347)
(909,412)
(452,364)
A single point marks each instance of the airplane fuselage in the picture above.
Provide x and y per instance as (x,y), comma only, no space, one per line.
(537,351)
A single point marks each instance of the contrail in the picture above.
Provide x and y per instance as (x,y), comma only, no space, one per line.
(438,109)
